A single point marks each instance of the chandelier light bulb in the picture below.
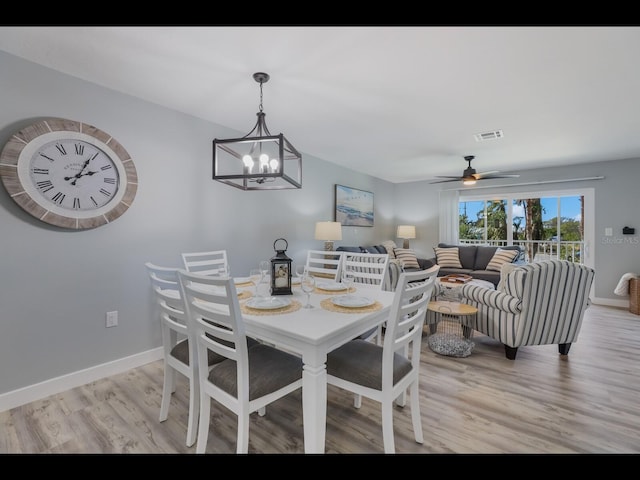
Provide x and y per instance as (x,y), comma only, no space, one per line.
(274,164)
(248,161)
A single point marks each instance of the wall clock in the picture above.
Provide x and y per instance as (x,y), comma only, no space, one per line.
(69,174)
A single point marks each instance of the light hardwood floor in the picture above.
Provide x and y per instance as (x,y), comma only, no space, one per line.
(586,402)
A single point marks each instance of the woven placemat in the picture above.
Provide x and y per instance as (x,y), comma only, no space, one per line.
(243,295)
(334,292)
(327,304)
(295,305)
(244,284)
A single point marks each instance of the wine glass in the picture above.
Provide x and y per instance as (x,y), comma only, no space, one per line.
(255,275)
(348,278)
(308,284)
(300,269)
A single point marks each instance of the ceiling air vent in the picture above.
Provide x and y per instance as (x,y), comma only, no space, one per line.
(481,137)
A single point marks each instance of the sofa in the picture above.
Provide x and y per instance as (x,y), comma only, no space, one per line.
(480,261)
(474,260)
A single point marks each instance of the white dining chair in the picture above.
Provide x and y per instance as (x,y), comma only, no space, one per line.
(249,378)
(367,268)
(383,373)
(324,264)
(212,262)
(178,355)
(370,269)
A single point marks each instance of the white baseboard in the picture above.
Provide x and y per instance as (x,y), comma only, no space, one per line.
(611,302)
(52,386)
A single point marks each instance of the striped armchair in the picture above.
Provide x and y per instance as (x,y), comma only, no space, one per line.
(539,304)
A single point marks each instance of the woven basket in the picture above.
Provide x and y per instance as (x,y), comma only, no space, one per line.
(634,296)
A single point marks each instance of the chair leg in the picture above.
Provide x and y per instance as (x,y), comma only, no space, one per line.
(510,352)
(357,400)
(167,389)
(387,426)
(262,411)
(194,410)
(415,413)
(563,348)
(203,423)
(243,434)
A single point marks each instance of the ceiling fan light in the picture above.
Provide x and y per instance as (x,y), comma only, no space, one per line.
(469,181)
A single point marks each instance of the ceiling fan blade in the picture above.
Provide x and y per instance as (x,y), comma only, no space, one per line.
(449,179)
(484,174)
(488,177)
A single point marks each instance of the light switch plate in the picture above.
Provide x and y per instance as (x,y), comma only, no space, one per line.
(608,231)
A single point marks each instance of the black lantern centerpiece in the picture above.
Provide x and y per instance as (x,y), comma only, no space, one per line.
(280,271)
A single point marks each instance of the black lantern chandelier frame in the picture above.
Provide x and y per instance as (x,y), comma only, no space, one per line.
(258,160)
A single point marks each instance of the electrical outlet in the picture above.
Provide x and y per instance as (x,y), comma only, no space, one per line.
(112,319)
(608,231)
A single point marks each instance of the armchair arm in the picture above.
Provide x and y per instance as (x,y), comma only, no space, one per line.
(491,298)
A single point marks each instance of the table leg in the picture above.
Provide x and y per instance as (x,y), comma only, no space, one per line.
(314,407)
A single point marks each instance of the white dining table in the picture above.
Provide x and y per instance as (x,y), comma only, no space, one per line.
(313,333)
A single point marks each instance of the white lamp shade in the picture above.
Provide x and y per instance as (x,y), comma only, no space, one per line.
(328,231)
(406,231)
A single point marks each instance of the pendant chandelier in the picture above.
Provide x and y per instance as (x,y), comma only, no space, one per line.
(258,160)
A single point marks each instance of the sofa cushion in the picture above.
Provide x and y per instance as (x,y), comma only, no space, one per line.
(466,254)
(349,249)
(448,257)
(407,257)
(500,257)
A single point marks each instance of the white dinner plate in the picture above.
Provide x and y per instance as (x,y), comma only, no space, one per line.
(241,280)
(331,286)
(352,301)
(268,303)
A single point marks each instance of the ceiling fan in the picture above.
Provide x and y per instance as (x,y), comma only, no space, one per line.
(469,176)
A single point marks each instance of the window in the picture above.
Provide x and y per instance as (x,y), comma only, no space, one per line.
(545,224)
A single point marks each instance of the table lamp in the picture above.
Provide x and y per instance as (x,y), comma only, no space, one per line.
(328,231)
(406,232)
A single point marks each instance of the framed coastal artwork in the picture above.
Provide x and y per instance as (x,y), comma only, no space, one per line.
(354,207)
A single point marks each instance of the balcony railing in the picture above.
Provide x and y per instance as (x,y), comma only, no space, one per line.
(543,249)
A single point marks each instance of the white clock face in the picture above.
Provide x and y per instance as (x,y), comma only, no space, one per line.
(74,175)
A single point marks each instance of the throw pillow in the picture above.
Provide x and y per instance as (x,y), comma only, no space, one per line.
(447,257)
(406,257)
(501,257)
(390,246)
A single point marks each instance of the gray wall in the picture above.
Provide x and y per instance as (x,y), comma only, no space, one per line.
(57,285)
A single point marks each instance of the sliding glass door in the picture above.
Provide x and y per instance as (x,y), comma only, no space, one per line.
(550,224)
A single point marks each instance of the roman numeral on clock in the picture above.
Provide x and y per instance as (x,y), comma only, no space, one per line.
(48,158)
(61,148)
(106,167)
(58,198)
(45,185)
(41,171)
(76,203)
(106,193)
(110,180)
(79,149)
(94,201)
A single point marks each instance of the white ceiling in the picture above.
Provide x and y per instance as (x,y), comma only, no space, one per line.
(399,103)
